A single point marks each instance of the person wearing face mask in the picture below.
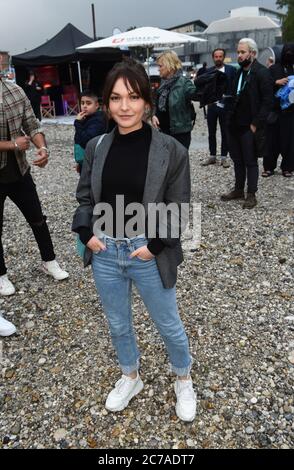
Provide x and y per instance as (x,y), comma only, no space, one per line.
(280,131)
(247,117)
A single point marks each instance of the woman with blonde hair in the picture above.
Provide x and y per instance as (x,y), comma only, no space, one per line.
(174,110)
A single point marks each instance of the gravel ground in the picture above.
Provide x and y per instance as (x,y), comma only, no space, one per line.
(236,300)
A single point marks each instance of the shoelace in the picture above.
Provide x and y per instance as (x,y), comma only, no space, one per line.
(186,390)
(121,384)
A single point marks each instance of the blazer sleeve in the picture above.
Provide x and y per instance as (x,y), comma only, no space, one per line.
(178,191)
(83,214)
(266,90)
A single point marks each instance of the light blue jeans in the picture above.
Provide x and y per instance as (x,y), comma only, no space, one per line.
(114,272)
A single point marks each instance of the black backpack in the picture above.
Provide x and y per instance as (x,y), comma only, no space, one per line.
(210,87)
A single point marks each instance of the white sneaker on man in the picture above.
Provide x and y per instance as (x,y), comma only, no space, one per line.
(186,400)
(6,327)
(125,389)
(6,286)
(53,269)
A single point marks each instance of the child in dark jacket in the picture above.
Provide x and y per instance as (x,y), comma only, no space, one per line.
(89,123)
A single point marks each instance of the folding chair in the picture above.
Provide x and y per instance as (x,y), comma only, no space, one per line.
(70,104)
(47,107)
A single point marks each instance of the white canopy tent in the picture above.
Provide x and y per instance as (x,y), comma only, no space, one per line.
(143,37)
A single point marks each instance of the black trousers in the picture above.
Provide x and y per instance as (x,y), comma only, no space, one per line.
(36,108)
(24,195)
(184,139)
(214,114)
(243,153)
(280,138)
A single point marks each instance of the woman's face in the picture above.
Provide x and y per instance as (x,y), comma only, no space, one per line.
(126,107)
(163,70)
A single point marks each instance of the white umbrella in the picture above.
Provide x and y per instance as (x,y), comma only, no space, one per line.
(143,37)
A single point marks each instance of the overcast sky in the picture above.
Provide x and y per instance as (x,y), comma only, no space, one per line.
(26,24)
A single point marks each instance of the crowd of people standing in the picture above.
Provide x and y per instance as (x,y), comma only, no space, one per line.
(252,121)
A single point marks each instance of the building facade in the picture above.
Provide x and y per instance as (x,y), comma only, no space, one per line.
(243,22)
(196,26)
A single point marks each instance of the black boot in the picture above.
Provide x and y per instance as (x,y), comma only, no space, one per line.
(234,194)
(250,201)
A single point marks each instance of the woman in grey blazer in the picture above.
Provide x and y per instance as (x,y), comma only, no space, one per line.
(128,172)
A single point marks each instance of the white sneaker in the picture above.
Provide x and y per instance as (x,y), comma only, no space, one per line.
(53,269)
(6,328)
(6,286)
(186,400)
(125,389)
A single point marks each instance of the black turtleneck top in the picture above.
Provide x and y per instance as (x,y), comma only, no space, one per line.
(124,174)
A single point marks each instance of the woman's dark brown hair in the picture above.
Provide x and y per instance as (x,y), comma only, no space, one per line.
(135,78)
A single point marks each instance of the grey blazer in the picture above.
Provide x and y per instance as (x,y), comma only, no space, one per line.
(167,180)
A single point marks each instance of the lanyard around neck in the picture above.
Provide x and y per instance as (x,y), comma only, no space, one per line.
(240,85)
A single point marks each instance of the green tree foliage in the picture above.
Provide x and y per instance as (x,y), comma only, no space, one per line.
(288,24)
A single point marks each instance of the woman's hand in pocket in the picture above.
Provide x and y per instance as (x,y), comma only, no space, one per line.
(96,245)
(142,253)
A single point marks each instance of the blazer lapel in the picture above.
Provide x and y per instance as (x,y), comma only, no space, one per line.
(252,72)
(158,161)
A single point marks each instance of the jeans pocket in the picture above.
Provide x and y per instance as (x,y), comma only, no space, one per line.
(96,252)
(140,242)
(144,260)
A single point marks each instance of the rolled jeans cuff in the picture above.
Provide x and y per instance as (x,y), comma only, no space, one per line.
(126,370)
(182,371)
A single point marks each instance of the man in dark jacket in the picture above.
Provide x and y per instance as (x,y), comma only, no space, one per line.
(202,70)
(217,110)
(247,117)
(280,130)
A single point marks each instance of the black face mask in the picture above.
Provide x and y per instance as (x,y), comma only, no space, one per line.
(245,63)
